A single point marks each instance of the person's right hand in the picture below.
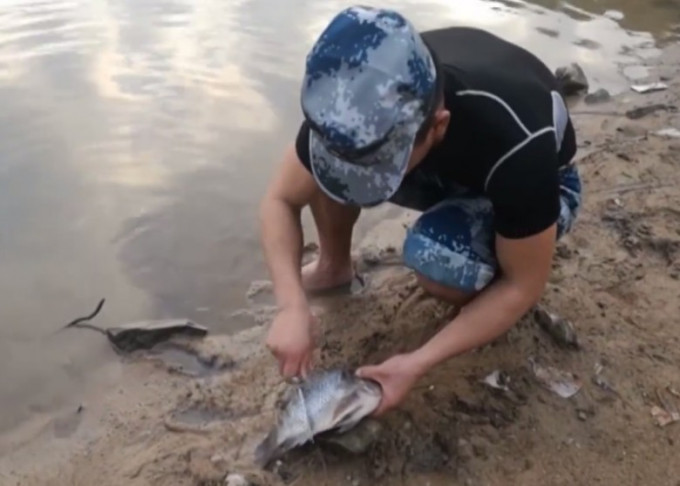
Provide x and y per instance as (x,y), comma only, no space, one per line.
(291,339)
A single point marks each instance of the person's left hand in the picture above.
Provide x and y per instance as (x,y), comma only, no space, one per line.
(397,376)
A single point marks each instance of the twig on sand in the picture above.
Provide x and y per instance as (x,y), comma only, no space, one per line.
(183,428)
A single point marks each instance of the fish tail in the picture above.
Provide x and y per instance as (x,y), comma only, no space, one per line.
(267,449)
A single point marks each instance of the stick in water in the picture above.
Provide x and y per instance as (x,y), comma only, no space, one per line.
(81,320)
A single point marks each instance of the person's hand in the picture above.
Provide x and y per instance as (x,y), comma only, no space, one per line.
(291,340)
(397,376)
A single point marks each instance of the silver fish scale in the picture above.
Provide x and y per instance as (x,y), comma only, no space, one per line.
(327,400)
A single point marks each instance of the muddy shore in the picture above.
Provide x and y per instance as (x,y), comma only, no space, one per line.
(616,278)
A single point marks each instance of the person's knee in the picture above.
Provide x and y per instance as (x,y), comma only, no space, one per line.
(451,295)
(451,251)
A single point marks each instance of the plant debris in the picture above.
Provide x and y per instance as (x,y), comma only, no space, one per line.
(602,382)
(648,88)
(498,380)
(668,132)
(563,383)
(667,413)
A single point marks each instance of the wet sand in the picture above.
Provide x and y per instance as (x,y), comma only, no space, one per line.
(615,277)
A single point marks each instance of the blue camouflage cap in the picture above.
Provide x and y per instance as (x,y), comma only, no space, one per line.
(368,87)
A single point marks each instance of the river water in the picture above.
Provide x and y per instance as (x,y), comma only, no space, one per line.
(137,136)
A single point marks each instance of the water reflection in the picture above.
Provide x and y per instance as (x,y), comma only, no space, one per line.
(136,137)
(654,16)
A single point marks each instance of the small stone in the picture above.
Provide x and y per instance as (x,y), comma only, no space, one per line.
(560,329)
(371,256)
(599,96)
(643,111)
(582,416)
(465,451)
(479,446)
(572,79)
(632,131)
(310,247)
(563,252)
(357,440)
(236,480)
(464,418)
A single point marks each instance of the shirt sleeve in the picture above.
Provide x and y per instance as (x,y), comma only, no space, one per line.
(524,189)
(302,145)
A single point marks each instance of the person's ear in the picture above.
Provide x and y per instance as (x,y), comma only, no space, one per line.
(441,123)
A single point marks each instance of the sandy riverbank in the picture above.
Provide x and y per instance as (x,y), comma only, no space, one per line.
(615,278)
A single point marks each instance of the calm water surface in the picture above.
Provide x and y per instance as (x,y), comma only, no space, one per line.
(137,136)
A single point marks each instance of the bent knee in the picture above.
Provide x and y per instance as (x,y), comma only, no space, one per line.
(451,295)
(452,253)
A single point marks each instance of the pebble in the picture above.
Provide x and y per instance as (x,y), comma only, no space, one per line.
(236,480)
(582,415)
(633,131)
(465,450)
(599,96)
(572,78)
(361,438)
(479,447)
(614,14)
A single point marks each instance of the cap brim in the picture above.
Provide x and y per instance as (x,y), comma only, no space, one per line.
(359,182)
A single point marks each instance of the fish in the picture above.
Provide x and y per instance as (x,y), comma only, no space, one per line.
(327,401)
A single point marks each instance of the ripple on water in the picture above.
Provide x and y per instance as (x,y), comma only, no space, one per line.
(33,29)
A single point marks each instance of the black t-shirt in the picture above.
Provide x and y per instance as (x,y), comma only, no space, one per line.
(509,131)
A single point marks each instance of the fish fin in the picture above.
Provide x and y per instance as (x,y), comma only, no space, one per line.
(343,406)
(267,449)
(272,448)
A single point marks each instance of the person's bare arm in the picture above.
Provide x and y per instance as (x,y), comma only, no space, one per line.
(525,266)
(292,333)
(281,231)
